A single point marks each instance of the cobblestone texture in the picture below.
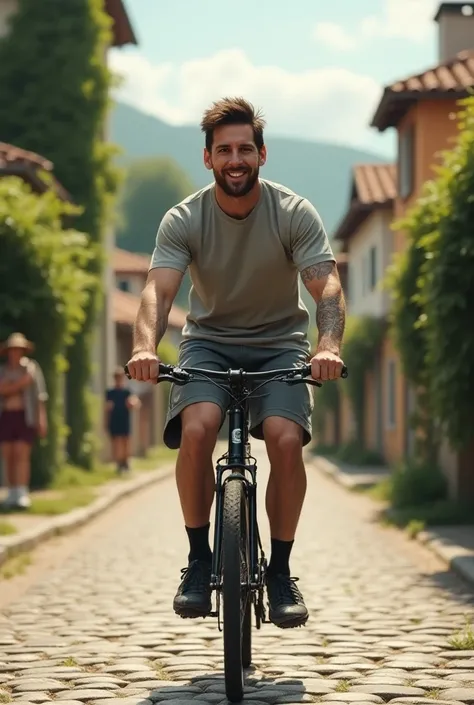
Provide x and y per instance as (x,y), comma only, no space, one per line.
(99,628)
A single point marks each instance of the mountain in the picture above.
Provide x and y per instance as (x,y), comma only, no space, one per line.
(319,171)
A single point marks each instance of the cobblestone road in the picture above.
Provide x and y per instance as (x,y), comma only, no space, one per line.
(98,626)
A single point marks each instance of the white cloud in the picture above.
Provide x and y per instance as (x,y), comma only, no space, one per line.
(334,36)
(404,19)
(333,104)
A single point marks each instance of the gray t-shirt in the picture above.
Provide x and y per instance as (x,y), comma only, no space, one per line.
(244,273)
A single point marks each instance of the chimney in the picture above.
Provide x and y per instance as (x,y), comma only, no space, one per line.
(455,28)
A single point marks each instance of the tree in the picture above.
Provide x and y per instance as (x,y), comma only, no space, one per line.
(152,186)
(44,287)
(54,84)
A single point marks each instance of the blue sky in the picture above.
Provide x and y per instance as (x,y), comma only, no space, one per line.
(317,72)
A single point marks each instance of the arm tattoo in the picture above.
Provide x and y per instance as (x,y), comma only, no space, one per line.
(330,319)
(317,271)
(331,307)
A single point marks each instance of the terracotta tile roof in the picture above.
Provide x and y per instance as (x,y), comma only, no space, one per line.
(450,79)
(122,28)
(15,161)
(125,262)
(375,183)
(373,186)
(125,308)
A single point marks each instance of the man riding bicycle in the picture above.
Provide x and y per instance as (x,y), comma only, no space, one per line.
(244,239)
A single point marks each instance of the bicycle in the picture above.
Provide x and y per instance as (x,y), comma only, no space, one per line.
(238,561)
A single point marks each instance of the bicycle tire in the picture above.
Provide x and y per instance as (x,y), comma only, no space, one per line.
(247,636)
(235,598)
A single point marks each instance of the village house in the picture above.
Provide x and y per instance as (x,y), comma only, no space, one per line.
(422,108)
(366,239)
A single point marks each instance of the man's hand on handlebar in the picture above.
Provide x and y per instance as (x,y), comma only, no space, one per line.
(144,367)
(326,366)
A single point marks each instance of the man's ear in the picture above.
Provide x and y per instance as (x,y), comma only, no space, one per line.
(207,159)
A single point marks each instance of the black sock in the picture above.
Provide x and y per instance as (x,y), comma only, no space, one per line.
(280,557)
(199,544)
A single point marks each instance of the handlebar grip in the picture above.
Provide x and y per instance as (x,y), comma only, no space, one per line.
(163,370)
(307,371)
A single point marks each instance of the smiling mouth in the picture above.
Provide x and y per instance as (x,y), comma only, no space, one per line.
(236,174)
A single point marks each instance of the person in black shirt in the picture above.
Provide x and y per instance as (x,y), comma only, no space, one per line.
(119,402)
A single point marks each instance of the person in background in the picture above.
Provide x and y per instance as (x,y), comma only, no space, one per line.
(119,402)
(23,416)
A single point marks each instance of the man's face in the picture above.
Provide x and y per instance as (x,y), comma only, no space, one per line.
(234,159)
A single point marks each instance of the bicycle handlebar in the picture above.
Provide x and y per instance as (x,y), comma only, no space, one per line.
(183,375)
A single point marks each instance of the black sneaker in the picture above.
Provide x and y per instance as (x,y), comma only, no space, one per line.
(287,607)
(193,598)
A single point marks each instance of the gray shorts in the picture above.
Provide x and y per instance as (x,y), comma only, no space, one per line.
(274,399)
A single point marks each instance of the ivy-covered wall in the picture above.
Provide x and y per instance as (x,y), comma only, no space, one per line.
(44,288)
(432,285)
(54,84)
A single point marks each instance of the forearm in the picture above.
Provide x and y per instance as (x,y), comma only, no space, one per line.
(9,388)
(331,318)
(151,322)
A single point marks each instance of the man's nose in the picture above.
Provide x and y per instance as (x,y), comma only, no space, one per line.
(235,158)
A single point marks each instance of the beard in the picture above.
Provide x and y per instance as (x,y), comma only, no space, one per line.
(237,188)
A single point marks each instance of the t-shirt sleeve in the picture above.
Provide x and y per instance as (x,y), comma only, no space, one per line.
(309,241)
(171,247)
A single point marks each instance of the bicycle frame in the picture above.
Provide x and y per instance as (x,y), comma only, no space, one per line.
(238,460)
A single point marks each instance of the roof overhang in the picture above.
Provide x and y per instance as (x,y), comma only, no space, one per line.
(122,29)
(451,8)
(394,106)
(33,176)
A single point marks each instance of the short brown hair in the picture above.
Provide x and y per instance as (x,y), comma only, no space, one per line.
(232,111)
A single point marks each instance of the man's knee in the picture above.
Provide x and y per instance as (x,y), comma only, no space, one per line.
(200,425)
(283,437)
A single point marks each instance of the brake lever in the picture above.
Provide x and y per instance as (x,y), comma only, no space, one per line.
(180,382)
(298,379)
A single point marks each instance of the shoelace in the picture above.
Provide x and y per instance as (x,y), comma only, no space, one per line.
(196,577)
(287,590)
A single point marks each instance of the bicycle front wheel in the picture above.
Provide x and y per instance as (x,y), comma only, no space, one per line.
(235,593)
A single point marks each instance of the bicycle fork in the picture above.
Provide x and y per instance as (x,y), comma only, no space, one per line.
(257,559)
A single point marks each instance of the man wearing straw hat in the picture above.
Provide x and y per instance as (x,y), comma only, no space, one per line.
(22,415)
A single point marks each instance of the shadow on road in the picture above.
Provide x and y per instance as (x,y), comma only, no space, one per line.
(210,688)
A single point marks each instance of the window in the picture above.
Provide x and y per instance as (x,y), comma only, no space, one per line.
(373,267)
(406,162)
(364,274)
(391,394)
(123,284)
